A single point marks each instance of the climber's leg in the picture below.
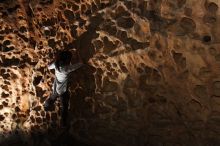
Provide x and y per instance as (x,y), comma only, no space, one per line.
(64,107)
(49,103)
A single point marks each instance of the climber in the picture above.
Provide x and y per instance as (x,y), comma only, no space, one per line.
(63,67)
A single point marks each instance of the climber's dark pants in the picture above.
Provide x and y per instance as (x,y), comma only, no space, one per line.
(64,98)
(64,106)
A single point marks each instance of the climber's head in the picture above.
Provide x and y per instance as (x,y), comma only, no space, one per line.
(63,58)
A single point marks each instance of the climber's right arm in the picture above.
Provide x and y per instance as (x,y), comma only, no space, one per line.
(51,65)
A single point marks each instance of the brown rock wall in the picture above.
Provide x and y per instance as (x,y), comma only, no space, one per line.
(152,76)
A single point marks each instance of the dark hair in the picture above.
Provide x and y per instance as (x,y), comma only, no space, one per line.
(63,58)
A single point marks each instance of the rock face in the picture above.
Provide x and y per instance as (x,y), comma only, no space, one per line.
(152,78)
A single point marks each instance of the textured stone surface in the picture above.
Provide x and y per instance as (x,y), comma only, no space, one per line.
(152,78)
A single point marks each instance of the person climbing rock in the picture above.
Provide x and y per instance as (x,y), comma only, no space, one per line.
(63,67)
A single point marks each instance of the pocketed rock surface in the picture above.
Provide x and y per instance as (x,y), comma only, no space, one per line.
(152,77)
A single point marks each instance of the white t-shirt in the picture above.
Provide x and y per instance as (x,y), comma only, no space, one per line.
(61,80)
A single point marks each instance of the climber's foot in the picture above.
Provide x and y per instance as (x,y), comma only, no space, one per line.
(49,105)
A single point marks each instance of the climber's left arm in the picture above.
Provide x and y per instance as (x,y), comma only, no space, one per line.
(75,66)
